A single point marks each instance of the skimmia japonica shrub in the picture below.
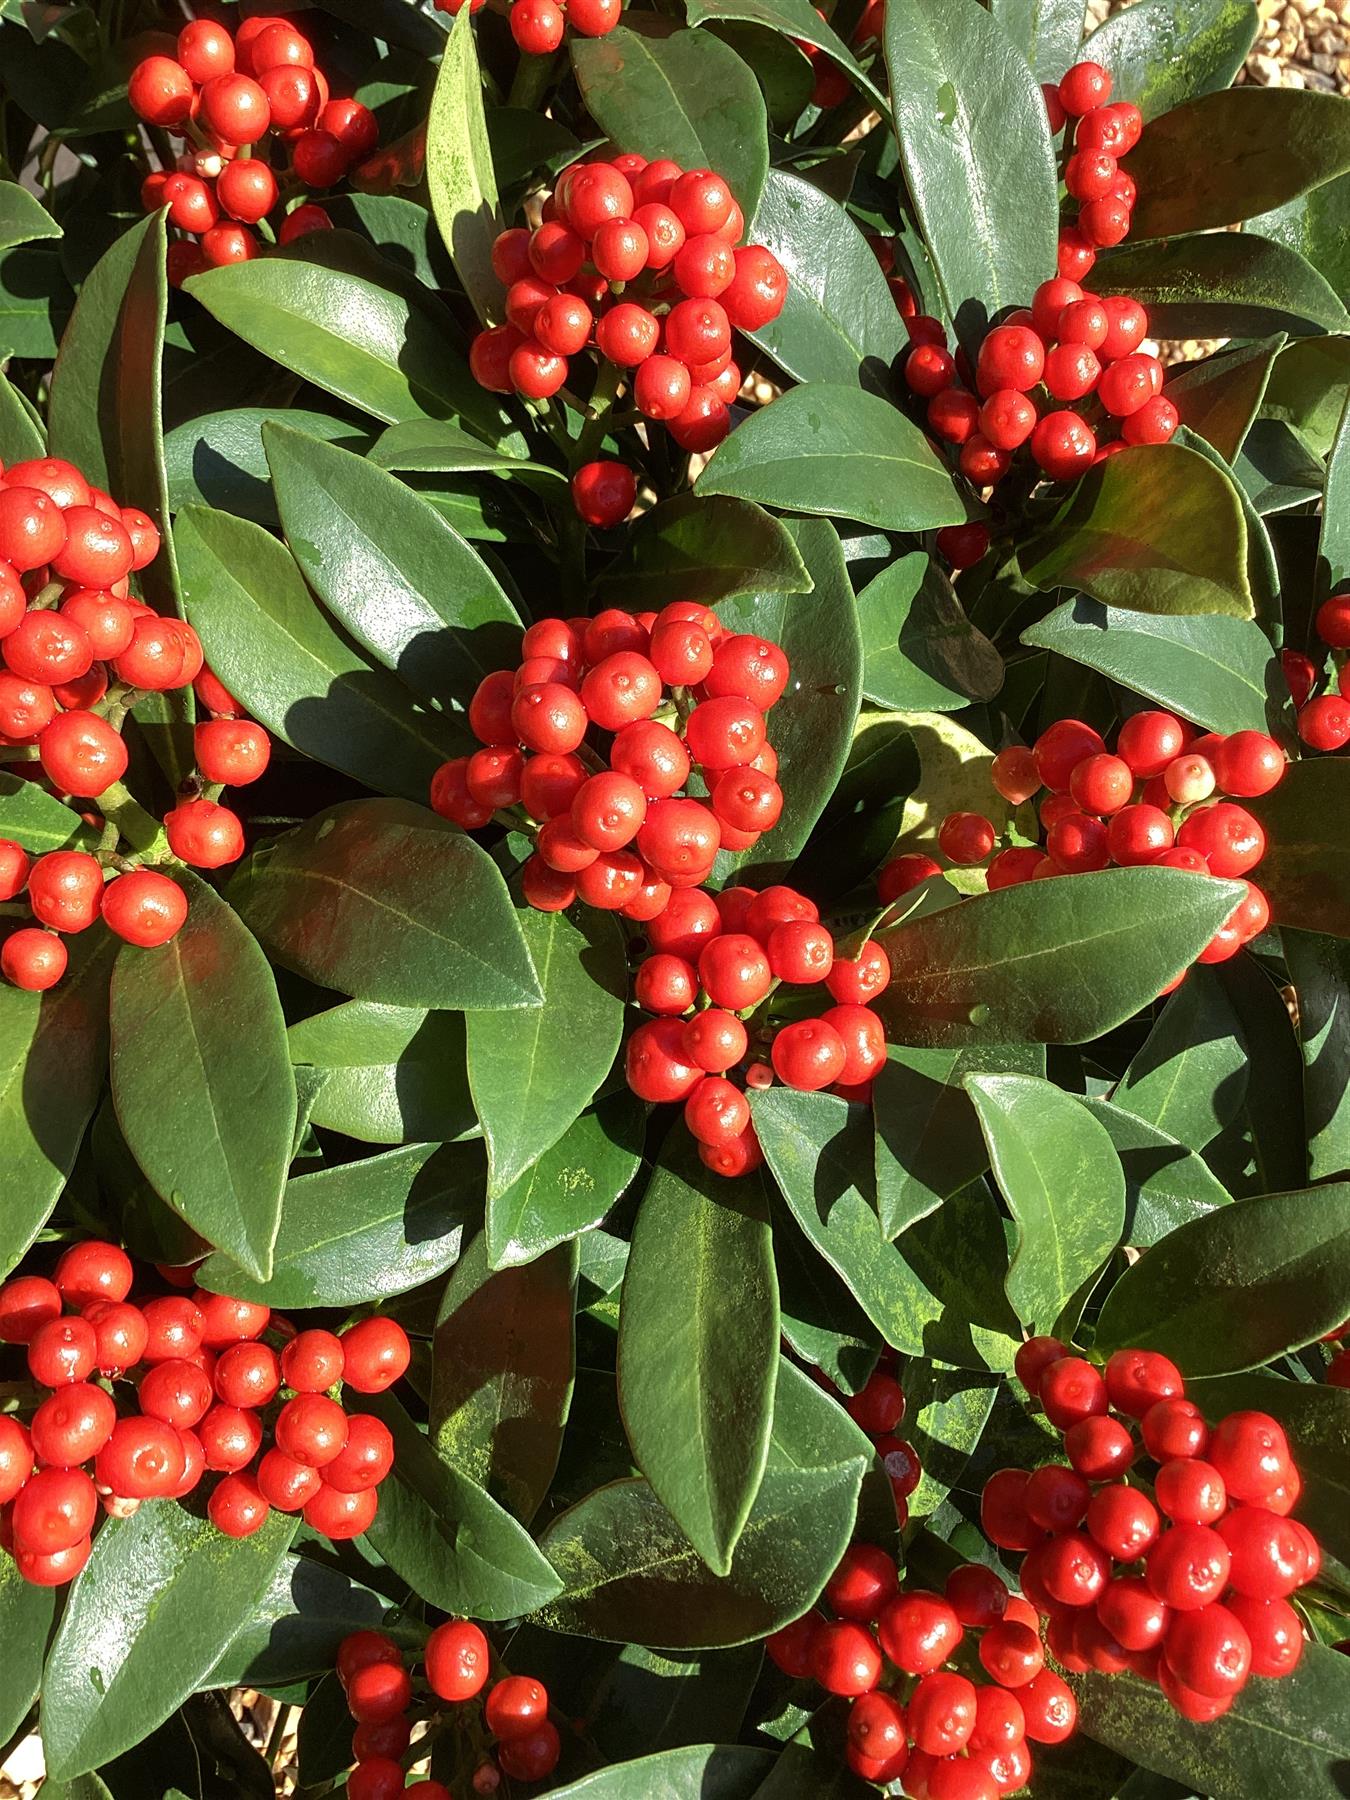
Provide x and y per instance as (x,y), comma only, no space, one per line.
(673,902)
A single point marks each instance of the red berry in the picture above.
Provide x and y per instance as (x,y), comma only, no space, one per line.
(864,1582)
(458,1660)
(1274,1631)
(808,1054)
(1011,356)
(1063,445)
(1071,1389)
(919,1631)
(204,834)
(1049,1707)
(844,1658)
(1188,1567)
(1060,748)
(54,1511)
(1086,85)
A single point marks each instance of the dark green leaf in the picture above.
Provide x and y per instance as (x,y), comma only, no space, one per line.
(1319,968)
(1218,397)
(23,217)
(699,1772)
(572,1186)
(946,1411)
(274,648)
(838,451)
(1306,869)
(1041,964)
(161,1596)
(821,1320)
(1217,671)
(389,568)
(1157,529)
(698,1348)
(1223,284)
(1307,389)
(447,1538)
(219,460)
(924,1295)
(862,818)
(413,912)
(522,141)
(922,654)
(963,93)
(297,1626)
(26,1615)
(531,1078)
(35,300)
(1047,32)
(437,447)
(460,175)
(797,20)
(402,231)
(1317,225)
(1272,1117)
(1165,1183)
(705,548)
(393,1074)
(365,1230)
(37,820)
(1240,1286)
(1167,51)
(1059,1173)
(1333,544)
(1189,1077)
(21,435)
(1276,469)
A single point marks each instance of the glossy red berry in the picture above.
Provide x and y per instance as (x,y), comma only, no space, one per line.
(458,1660)
(919,1631)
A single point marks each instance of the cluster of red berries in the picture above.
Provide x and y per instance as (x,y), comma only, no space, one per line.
(380,1695)
(1188,1588)
(878,1408)
(1153,801)
(714,963)
(914,1718)
(538,26)
(665,239)
(208,1385)
(231,97)
(623,834)
(1323,719)
(1081,349)
(76,652)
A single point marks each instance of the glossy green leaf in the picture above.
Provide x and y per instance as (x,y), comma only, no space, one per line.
(1306,869)
(963,93)
(812,726)
(1047,32)
(274,648)
(413,912)
(839,320)
(1223,284)
(1319,968)
(448,1539)
(362,1231)
(924,1294)
(219,460)
(1207,161)
(1166,1184)
(822,1322)
(1059,1173)
(23,217)
(1219,672)
(1167,51)
(1189,1077)
(1276,469)
(37,820)
(1333,544)
(211,1128)
(698,1349)
(1240,1286)
(706,548)
(838,451)
(460,176)
(922,654)
(801,24)
(438,447)
(572,1185)
(946,1411)
(297,1626)
(1307,389)
(532,1077)
(523,141)
(1219,396)
(503,1362)
(53,1058)
(26,1616)
(862,818)
(1157,529)
(653,87)
(21,435)
(402,231)
(1041,964)
(392,1074)
(390,570)
(35,301)
(696,1772)
(161,1595)
(1317,225)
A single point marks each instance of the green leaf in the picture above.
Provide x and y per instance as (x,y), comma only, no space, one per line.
(1036,964)
(1218,672)
(390,570)
(1276,469)
(839,319)
(706,548)
(1319,968)
(1207,162)
(21,434)
(663,91)
(1333,544)
(37,820)
(23,217)
(413,912)
(531,1078)
(822,1322)
(926,1295)
(946,1411)
(393,1074)
(801,24)
(812,726)
(53,1058)
(296,1628)
(1223,284)
(963,93)
(922,654)
(697,1772)
(35,300)
(572,1186)
(1240,1286)
(382,350)
(1218,397)
(1047,32)
(1157,529)
(211,1128)
(448,1539)
(698,1348)
(160,1597)
(460,175)
(218,460)
(274,648)
(926,1149)
(1281,1737)
(1317,226)
(1059,1173)
(1189,1077)
(1306,869)
(402,231)
(26,1616)
(1165,1183)
(836,450)
(365,1230)
(503,1363)
(1167,51)
(1307,389)
(436,447)
(523,141)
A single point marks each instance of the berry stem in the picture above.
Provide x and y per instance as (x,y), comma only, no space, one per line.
(144,833)
(531,80)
